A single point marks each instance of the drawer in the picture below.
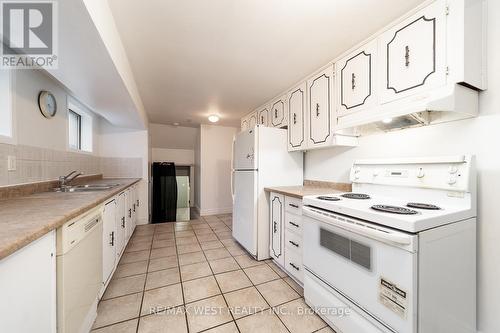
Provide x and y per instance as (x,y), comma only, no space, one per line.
(293,264)
(293,205)
(293,223)
(293,241)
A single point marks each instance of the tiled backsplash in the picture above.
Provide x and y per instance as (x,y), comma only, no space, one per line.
(39,164)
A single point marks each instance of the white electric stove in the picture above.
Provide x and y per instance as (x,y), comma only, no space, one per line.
(399,252)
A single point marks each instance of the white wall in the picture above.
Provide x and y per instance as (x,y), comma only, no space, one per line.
(479,136)
(178,156)
(197,170)
(215,166)
(172,137)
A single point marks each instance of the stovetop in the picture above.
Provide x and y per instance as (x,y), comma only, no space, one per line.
(410,214)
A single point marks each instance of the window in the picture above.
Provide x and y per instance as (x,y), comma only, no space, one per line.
(5,106)
(75,130)
(80,133)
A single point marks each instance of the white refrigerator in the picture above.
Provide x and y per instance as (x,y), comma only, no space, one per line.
(260,159)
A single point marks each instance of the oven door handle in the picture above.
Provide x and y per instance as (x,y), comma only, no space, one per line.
(385,236)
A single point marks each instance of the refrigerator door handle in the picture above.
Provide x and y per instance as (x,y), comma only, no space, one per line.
(232,184)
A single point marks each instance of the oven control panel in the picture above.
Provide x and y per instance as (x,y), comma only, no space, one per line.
(446,173)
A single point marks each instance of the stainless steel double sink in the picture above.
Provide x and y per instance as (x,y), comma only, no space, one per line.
(86,188)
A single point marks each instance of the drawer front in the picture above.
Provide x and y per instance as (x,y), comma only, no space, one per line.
(293,205)
(294,223)
(293,264)
(293,241)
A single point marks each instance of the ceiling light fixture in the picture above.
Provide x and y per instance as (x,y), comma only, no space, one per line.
(213,118)
(175,124)
(387,120)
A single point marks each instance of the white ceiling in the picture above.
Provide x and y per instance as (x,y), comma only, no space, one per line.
(191,58)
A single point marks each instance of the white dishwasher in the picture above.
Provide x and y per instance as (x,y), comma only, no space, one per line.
(79,272)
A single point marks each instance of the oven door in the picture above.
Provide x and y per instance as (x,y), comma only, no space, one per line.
(374,268)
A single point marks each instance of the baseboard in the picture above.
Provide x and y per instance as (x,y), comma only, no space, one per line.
(216,211)
(142,221)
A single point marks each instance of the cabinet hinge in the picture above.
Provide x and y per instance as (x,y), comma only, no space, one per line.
(447,10)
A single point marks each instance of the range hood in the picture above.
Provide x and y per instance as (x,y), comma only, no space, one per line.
(448,103)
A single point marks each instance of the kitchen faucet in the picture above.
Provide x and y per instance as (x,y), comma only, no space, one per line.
(64,180)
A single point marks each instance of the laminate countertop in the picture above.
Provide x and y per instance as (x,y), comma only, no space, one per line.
(25,219)
(302,191)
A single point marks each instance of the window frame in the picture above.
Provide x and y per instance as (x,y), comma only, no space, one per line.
(79,129)
(11,138)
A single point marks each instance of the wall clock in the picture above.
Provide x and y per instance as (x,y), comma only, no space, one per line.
(47,104)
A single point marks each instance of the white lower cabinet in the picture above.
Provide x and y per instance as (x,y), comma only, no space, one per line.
(109,237)
(121,224)
(277,212)
(286,234)
(28,288)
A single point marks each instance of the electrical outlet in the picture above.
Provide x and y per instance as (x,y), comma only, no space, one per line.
(11,163)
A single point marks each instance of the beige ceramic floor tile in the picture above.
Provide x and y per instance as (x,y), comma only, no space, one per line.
(224,265)
(125,286)
(260,274)
(217,254)
(277,292)
(246,261)
(201,317)
(129,326)
(191,258)
(211,245)
(118,309)
(207,237)
(160,299)
(294,285)
(186,240)
(264,322)
(182,234)
(162,243)
(226,328)
(141,246)
(134,268)
(235,250)
(130,257)
(200,288)
(277,269)
(162,263)
(195,271)
(162,278)
(232,281)
(299,318)
(245,302)
(326,330)
(188,248)
(170,321)
(163,252)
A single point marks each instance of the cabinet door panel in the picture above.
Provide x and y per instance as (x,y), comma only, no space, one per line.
(278,114)
(355,79)
(320,108)
(264,116)
(414,54)
(121,224)
(296,115)
(252,121)
(109,236)
(277,212)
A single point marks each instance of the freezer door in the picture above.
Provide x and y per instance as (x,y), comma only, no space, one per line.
(245,154)
(245,210)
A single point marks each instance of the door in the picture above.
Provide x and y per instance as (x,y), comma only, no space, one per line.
(121,224)
(245,210)
(296,117)
(356,79)
(277,211)
(252,120)
(264,116)
(320,108)
(244,157)
(413,54)
(278,114)
(108,240)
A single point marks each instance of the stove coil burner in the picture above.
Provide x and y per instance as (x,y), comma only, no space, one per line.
(422,206)
(394,210)
(355,196)
(327,198)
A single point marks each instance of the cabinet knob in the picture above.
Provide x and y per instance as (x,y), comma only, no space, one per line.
(294,118)
(275,227)
(317,109)
(276,113)
(407,56)
(353,81)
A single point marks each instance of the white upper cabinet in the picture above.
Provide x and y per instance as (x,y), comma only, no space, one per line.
(264,116)
(252,120)
(320,120)
(296,106)
(356,79)
(413,54)
(278,112)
